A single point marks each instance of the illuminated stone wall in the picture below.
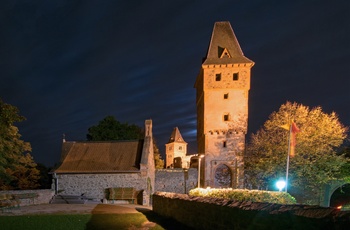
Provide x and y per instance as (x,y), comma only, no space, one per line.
(222,122)
(96,185)
(176,180)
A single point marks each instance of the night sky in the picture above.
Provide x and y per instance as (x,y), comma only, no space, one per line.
(68,64)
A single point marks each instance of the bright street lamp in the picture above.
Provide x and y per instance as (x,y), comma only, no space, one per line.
(280,185)
(199,170)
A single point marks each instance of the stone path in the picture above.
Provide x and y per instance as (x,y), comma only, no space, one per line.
(75,209)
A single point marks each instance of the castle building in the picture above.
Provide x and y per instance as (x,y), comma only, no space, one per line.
(176,150)
(92,167)
(222,88)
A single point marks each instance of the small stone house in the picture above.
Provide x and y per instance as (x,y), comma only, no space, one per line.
(91,168)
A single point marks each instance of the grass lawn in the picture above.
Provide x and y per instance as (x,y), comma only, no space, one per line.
(88,221)
(75,221)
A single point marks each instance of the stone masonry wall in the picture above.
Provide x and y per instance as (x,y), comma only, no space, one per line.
(214,213)
(96,185)
(44,196)
(176,180)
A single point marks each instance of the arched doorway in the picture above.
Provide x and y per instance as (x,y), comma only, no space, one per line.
(223,177)
(340,196)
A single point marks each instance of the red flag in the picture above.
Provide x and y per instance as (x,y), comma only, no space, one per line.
(293,130)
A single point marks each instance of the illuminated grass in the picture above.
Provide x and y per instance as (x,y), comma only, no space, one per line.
(76,222)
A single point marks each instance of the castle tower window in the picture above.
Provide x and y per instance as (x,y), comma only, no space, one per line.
(226,117)
(180,147)
(224,144)
(218,77)
(223,52)
(235,76)
(226,96)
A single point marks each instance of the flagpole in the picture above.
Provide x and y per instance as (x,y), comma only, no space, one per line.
(287,170)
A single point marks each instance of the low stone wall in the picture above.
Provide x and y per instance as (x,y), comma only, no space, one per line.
(176,180)
(44,196)
(213,213)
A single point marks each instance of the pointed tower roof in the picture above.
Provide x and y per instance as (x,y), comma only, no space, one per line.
(224,47)
(176,136)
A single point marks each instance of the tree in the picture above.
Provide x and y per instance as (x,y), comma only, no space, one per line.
(316,161)
(158,161)
(109,129)
(17,167)
(45,180)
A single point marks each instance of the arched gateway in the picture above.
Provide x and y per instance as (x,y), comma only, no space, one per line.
(223,176)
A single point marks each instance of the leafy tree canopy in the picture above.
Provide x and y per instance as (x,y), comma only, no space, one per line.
(316,161)
(158,161)
(109,129)
(17,167)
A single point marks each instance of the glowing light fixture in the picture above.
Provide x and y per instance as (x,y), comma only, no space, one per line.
(280,185)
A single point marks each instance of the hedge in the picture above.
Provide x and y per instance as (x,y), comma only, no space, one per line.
(245,195)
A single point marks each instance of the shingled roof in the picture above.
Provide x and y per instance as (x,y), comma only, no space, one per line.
(100,157)
(224,47)
(176,136)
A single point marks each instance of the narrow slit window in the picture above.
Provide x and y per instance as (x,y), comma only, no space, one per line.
(226,96)
(226,117)
(224,144)
(218,77)
(235,76)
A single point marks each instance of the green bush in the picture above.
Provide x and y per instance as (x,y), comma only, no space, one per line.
(245,195)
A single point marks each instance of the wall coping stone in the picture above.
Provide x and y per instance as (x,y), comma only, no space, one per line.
(164,203)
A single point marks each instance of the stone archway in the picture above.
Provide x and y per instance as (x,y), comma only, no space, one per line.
(328,190)
(222,177)
(340,196)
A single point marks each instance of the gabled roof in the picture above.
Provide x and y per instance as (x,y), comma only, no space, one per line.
(100,157)
(224,47)
(176,136)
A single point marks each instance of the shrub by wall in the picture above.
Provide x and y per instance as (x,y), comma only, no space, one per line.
(245,195)
(218,213)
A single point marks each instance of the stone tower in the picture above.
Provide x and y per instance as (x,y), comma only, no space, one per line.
(176,148)
(222,88)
